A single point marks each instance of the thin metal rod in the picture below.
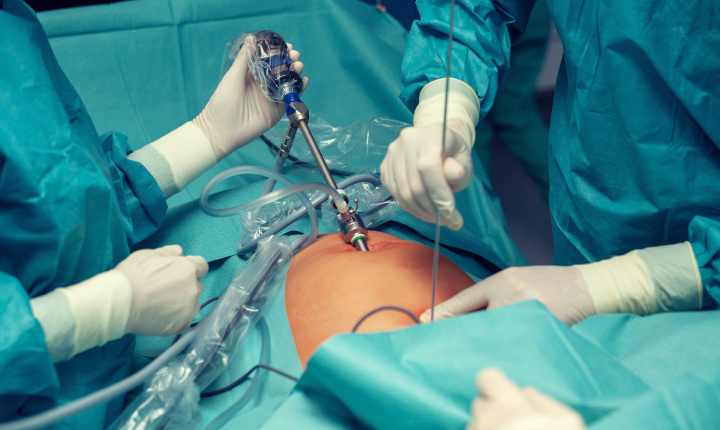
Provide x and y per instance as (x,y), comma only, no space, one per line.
(436,249)
(316,154)
(436,261)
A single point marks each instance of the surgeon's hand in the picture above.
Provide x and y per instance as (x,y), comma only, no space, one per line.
(421,180)
(165,290)
(503,405)
(563,290)
(238,112)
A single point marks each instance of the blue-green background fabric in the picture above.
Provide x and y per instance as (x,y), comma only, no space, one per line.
(514,118)
(71,206)
(634,137)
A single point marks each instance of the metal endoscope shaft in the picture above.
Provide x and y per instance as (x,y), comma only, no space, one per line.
(316,154)
(361,245)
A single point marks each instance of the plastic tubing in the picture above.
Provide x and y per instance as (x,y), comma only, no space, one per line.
(256,383)
(243,248)
(55,415)
(290,188)
(270,184)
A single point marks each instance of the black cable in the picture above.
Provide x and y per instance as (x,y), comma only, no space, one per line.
(385,308)
(299,162)
(244,378)
(207,302)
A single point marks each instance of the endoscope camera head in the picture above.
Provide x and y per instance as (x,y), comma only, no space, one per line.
(276,67)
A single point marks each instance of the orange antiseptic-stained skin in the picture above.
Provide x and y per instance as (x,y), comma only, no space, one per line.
(331,285)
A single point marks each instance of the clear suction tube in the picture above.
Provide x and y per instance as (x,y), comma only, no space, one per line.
(289,189)
(171,398)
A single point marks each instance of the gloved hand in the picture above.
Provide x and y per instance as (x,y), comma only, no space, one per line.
(562,290)
(165,290)
(642,282)
(238,112)
(503,405)
(414,170)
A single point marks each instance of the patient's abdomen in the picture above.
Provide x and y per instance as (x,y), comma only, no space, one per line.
(330,286)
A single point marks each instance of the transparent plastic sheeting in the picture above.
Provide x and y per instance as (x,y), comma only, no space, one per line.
(376,206)
(268,61)
(170,399)
(255,223)
(358,147)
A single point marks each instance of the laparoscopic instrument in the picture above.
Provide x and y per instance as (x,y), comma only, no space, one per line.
(274,72)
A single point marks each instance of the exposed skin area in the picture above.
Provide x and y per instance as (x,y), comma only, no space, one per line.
(331,285)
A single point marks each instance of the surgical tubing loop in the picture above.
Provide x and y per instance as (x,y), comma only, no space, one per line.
(270,184)
(290,188)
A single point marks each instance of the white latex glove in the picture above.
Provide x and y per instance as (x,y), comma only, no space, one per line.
(642,282)
(151,293)
(414,174)
(503,405)
(238,112)
(414,170)
(562,290)
(165,287)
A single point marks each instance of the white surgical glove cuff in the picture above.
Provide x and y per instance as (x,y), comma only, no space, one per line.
(463,111)
(646,281)
(85,315)
(177,158)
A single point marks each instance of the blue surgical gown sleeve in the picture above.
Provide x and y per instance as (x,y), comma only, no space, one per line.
(24,360)
(705,239)
(482,34)
(71,206)
(141,201)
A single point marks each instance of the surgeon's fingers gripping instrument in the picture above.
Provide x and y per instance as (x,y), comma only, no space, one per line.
(283,84)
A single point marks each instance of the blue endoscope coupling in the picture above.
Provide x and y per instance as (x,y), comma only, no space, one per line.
(291,98)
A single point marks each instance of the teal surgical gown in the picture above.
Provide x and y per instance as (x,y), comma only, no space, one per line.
(634,153)
(71,206)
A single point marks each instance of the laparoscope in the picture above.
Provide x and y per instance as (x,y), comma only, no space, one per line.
(281,83)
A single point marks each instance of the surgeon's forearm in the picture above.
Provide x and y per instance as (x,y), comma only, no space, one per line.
(85,315)
(177,158)
(658,279)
